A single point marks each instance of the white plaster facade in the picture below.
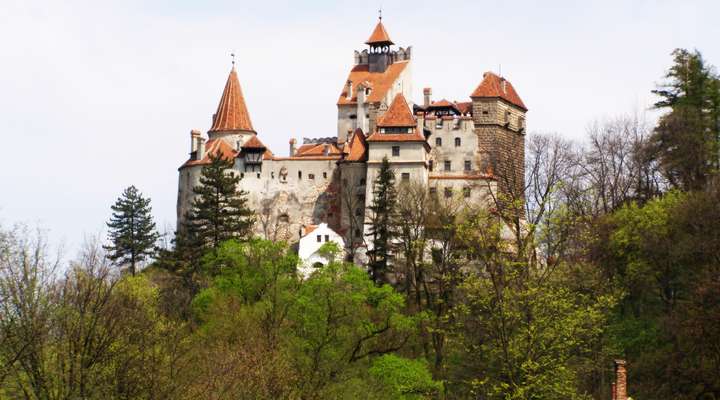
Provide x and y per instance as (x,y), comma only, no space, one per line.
(310,244)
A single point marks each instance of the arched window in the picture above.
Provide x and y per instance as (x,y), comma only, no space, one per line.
(457,142)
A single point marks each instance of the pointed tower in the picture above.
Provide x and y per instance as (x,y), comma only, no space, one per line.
(231,122)
(378,75)
(379,43)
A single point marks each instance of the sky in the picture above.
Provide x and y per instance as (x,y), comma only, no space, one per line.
(99,95)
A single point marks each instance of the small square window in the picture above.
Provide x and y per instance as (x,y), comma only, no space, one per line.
(405,176)
(319,238)
(458,142)
(438,142)
(466,192)
(448,192)
(327,238)
(325,175)
(431,165)
(447,165)
(299,174)
(311,176)
(468,165)
(396,151)
(258,175)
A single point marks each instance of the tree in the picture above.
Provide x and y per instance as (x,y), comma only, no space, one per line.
(687,138)
(132,231)
(382,222)
(219,210)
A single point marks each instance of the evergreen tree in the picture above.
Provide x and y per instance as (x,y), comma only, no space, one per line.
(132,231)
(382,221)
(219,210)
(686,139)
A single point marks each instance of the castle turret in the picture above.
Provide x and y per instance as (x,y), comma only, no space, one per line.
(379,43)
(377,76)
(499,118)
(231,121)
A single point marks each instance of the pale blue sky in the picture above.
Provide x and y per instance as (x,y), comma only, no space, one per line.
(98,95)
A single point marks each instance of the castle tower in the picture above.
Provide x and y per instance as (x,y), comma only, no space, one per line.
(499,118)
(231,122)
(379,43)
(379,73)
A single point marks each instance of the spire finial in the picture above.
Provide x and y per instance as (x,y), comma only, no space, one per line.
(380,13)
(233,59)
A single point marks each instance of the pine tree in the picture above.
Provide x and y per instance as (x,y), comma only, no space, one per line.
(382,222)
(219,211)
(132,232)
(687,138)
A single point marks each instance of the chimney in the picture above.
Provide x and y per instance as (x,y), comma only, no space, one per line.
(200,148)
(326,149)
(420,122)
(349,89)
(292,147)
(427,92)
(620,392)
(504,85)
(194,136)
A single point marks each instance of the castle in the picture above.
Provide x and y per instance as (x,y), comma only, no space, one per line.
(454,148)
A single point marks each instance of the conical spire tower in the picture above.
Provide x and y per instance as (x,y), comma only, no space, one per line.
(232,114)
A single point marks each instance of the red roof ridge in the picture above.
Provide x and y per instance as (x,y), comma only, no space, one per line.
(397,115)
(379,35)
(493,85)
(232,113)
(253,143)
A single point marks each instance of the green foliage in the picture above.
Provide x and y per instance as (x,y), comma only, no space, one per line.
(382,230)
(132,232)
(687,139)
(219,211)
(405,379)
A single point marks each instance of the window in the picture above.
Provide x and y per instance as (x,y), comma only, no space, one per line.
(466,192)
(242,175)
(448,192)
(362,181)
(258,175)
(327,238)
(430,165)
(311,176)
(325,175)
(485,112)
(272,175)
(299,174)
(319,238)
(438,124)
(357,232)
(457,142)
(507,116)
(438,142)
(447,165)
(468,165)
(405,177)
(284,218)
(396,151)
(353,116)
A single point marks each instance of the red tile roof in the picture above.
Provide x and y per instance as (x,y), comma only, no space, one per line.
(464,107)
(379,35)
(213,146)
(396,137)
(379,81)
(253,143)
(398,114)
(495,86)
(317,149)
(232,114)
(357,147)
